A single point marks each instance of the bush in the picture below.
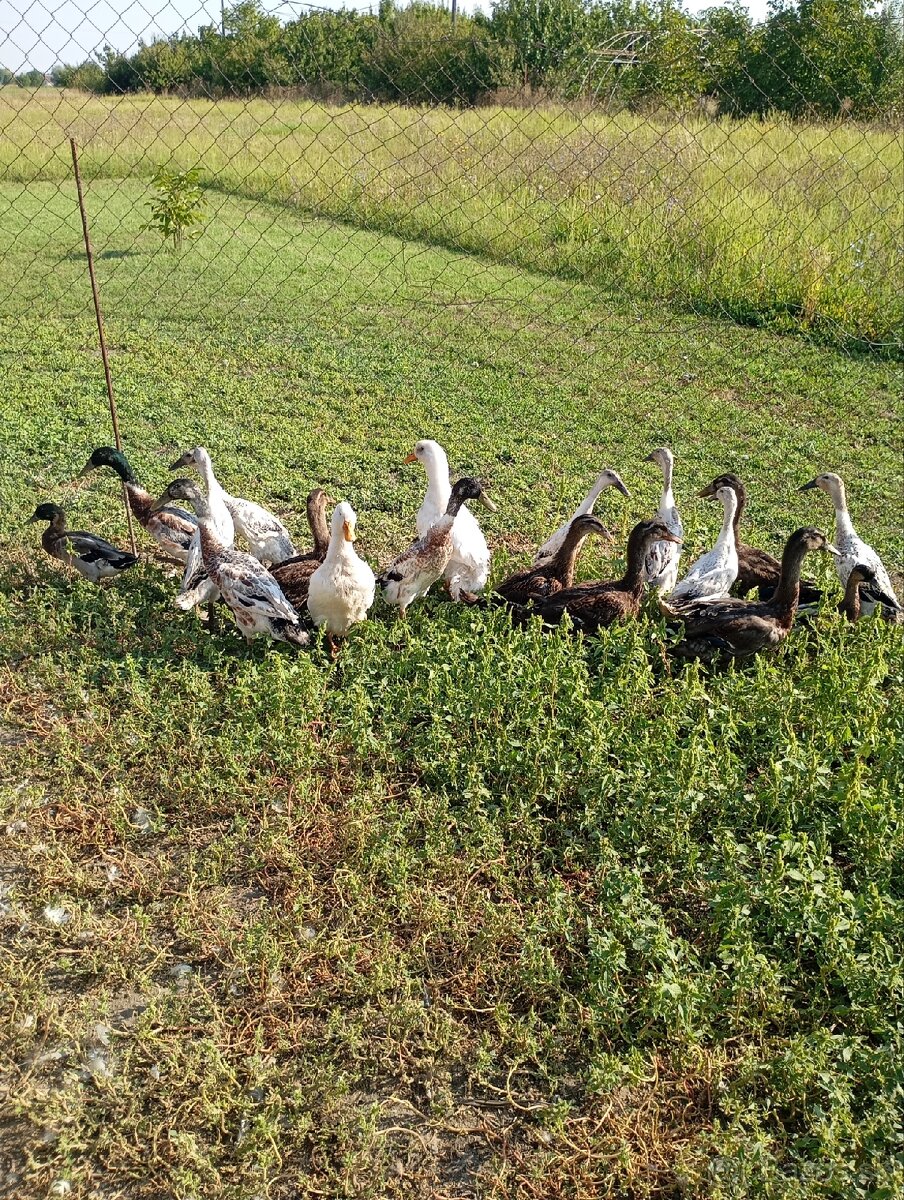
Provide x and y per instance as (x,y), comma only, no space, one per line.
(419,58)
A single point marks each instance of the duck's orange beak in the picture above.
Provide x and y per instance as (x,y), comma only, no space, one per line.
(412,457)
(347,532)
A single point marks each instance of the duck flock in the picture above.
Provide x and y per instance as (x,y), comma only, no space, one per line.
(273,590)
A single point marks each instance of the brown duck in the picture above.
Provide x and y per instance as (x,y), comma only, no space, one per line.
(854,595)
(756,568)
(294,575)
(594,604)
(553,574)
(741,627)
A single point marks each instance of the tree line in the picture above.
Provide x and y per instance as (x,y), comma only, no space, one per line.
(808,58)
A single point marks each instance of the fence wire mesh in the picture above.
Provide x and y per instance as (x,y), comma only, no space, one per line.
(643,161)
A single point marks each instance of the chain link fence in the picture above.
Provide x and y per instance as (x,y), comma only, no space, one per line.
(676,166)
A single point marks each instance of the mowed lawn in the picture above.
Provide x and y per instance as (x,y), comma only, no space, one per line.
(470,911)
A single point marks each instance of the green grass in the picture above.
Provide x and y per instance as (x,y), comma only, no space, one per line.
(470,911)
(764,222)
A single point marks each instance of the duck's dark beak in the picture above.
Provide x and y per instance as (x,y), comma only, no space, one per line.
(410,458)
(86,469)
(708,493)
(487,502)
(620,487)
(806,487)
(651,457)
(33,519)
(160,502)
(670,537)
(184,460)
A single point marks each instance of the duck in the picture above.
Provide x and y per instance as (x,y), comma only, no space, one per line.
(712,574)
(555,573)
(342,588)
(739,627)
(425,561)
(171,528)
(197,587)
(90,555)
(243,583)
(595,604)
(661,565)
(267,537)
(861,583)
(853,550)
(468,568)
(294,575)
(756,568)
(607,478)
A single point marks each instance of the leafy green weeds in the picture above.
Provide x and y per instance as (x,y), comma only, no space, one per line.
(472,910)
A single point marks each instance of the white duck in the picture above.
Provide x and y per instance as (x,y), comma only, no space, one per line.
(267,537)
(469,565)
(416,569)
(197,587)
(713,574)
(661,565)
(343,586)
(246,586)
(605,479)
(853,550)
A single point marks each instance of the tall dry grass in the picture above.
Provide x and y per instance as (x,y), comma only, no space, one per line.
(797,226)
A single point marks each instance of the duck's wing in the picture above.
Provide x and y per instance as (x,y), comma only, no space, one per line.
(244,583)
(756,569)
(92,549)
(254,521)
(173,525)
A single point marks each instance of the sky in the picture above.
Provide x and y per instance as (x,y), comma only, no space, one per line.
(40,33)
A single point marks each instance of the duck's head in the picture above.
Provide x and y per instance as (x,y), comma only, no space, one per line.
(197,457)
(470,489)
(344,522)
(180,489)
(46,512)
(861,573)
(107,456)
(662,456)
(726,496)
(587,523)
(809,538)
(610,478)
(645,532)
(830,483)
(728,480)
(428,453)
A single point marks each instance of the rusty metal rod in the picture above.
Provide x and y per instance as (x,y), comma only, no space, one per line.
(100,331)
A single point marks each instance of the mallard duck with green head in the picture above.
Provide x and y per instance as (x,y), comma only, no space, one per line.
(90,555)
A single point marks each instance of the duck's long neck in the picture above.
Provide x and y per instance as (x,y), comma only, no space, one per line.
(586,505)
(844,526)
(726,538)
(566,557)
(788,589)
(667,500)
(319,529)
(439,487)
(340,549)
(850,605)
(741,498)
(634,580)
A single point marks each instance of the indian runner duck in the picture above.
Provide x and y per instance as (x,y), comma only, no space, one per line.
(415,571)
(852,549)
(171,528)
(267,537)
(593,604)
(605,479)
(661,566)
(555,573)
(710,577)
(342,588)
(468,568)
(90,555)
(294,575)
(243,583)
(742,627)
(861,584)
(197,587)
(756,568)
